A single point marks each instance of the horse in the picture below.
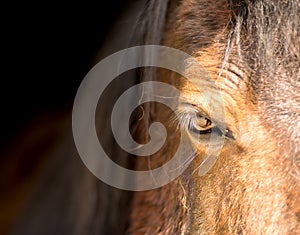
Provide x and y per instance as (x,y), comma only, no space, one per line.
(250,50)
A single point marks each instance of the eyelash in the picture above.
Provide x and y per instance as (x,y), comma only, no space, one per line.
(186,120)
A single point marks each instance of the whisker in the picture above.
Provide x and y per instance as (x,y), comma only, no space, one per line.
(166,97)
(189,159)
(150,169)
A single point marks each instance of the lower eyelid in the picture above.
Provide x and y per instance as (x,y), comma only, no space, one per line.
(203,132)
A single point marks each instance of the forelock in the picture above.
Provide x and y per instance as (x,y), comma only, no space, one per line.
(266,35)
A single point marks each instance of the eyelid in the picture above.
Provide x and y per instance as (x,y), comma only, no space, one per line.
(196,109)
(204,114)
(187,115)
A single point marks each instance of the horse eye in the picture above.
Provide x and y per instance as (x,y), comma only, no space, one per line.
(201,125)
(195,122)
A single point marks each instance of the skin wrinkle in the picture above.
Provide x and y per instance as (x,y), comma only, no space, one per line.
(251,188)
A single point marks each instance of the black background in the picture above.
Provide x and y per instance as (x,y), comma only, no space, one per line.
(48,47)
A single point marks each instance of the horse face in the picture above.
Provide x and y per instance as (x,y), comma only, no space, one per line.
(251,52)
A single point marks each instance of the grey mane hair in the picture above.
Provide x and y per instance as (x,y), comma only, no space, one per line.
(265,41)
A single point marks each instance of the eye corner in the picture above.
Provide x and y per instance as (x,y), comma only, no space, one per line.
(229,134)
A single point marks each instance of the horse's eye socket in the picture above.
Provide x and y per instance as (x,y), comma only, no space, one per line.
(196,122)
(201,125)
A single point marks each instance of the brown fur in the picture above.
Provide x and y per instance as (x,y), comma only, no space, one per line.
(254,187)
(251,50)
